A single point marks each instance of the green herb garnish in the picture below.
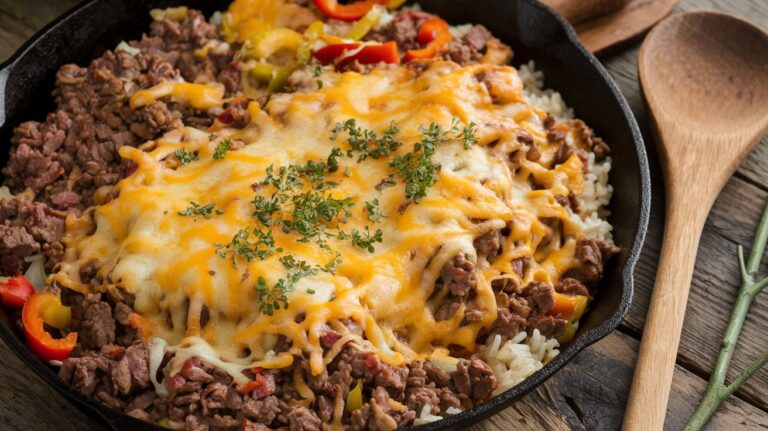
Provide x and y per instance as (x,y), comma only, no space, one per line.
(241,246)
(417,168)
(373,210)
(469,135)
(275,297)
(221,149)
(333,164)
(365,142)
(365,240)
(195,209)
(186,157)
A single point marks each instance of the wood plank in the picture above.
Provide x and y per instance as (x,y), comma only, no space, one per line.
(595,385)
(714,288)
(21,19)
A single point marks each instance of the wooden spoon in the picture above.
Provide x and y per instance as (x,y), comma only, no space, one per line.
(705,80)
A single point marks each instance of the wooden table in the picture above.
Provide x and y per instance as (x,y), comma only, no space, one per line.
(591,392)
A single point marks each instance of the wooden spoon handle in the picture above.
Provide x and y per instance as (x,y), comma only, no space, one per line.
(658,349)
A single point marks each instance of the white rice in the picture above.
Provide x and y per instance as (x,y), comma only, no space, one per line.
(519,357)
(597,192)
(523,355)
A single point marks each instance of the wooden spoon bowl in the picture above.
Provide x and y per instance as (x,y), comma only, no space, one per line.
(707,72)
(705,80)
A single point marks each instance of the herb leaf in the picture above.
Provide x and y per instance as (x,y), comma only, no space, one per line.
(221,149)
(374,212)
(241,246)
(195,209)
(468,134)
(367,143)
(275,297)
(365,240)
(417,168)
(186,157)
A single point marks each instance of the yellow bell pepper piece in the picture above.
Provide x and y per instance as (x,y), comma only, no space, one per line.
(226,30)
(175,13)
(394,4)
(311,34)
(365,24)
(57,315)
(567,334)
(268,42)
(276,77)
(355,397)
(581,307)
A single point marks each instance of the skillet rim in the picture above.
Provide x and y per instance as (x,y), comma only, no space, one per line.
(120,421)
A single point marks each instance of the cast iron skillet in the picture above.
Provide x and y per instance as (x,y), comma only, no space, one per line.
(534,32)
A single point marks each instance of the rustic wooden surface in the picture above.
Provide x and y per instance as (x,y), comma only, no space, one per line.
(590,393)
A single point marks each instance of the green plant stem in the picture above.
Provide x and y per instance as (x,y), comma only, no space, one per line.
(717,391)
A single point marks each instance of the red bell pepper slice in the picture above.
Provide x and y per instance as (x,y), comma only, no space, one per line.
(40,342)
(368,54)
(372,54)
(15,291)
(347,12)
(329,53)
(435,34)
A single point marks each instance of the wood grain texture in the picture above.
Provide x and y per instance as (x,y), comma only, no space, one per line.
(590,393)
(608,32)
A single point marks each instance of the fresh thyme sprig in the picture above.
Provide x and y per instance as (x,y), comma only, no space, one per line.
(195,209)
(417,168)
(241,245)
(275,297)
(365,240)
(221,149)
(367,143)
(300,201)
(717,390)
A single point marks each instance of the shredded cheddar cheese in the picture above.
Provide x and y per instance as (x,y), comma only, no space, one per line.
(170,262)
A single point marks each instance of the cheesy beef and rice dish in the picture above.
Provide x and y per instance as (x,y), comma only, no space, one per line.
(302,215)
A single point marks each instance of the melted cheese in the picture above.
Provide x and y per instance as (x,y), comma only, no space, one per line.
(199,96)
(170,262)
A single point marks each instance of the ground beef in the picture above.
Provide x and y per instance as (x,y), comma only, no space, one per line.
(28,228)
(506,325)
(540,297)
(264,410)
(61,161)
(474,379)
(403,29)
(470,48)
(459,276)
(303,419)
(591,254)
(85,372)
(488,245)
(94,323)
(65,158)
(571,286)
(375,415)
(548,326)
